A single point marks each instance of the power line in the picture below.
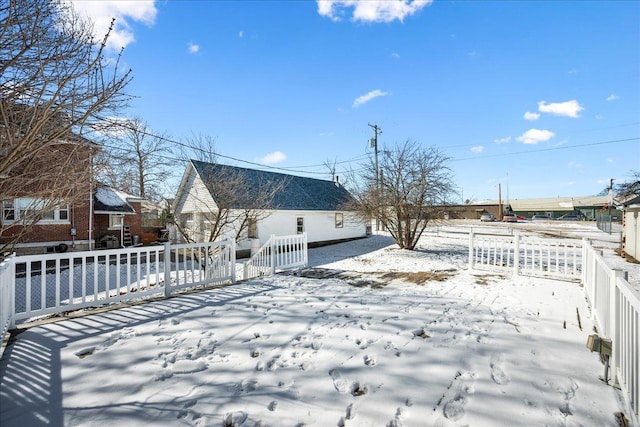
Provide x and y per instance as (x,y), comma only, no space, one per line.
(564,147)
(293,169)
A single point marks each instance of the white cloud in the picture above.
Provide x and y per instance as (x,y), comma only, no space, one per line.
(395,55)
(531,116)
(504,140)
(612,97)
(477,149)
(534,136)
(568,109)
(371,11)
(599,117)
(363,99)
(193,48)
(241,34)
(273,158)
(609,160)
(102,12)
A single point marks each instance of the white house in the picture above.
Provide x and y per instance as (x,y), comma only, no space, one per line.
(295,205)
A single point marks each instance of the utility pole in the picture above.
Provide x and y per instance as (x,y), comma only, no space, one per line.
(376,132)
(610,196)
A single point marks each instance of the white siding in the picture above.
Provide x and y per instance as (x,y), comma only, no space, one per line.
(632,232)
(319,225)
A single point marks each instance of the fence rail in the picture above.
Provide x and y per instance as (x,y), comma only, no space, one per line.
(556,258)
(47,284)
(616,311)
(7,301)
(278,253)
(55,283)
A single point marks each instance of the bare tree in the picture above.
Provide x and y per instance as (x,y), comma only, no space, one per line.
(630,187)
(412,183)
(135,160)
(54,83)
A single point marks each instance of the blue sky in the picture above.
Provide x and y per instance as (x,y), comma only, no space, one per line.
(541,97)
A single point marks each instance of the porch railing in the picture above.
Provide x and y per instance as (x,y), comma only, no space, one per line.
(278,253)
(38,285)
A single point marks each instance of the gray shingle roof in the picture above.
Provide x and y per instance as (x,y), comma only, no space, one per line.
(294,192)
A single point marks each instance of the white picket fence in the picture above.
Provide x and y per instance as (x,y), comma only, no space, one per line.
(555,258)
(615,304)
(616,311)
(278,253)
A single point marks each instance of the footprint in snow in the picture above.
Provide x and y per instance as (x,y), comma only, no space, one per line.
(455,398)
(498,374)
(340,384)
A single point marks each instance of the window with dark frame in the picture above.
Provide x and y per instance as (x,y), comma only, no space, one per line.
(252,229)
(300,224)
(339,220)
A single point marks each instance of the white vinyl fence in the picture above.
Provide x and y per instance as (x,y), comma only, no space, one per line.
(555,258)
(616,311)
(7,275)
(47,284)
(278,253)
(55,283)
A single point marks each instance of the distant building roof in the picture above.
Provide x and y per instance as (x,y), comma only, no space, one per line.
(632,202)
(293,192)
(108,200)
(551,203)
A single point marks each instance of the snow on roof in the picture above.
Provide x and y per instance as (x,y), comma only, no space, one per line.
(110,200)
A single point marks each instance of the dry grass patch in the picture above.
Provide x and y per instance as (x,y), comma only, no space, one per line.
(419,277)
(483,279)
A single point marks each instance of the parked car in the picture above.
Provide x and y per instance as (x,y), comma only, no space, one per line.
(569,217)
(541,218)
(487,217)
(509,218)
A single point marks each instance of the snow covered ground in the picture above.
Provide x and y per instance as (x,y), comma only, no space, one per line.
(369,335)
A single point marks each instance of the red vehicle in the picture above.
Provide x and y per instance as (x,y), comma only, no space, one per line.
(509,218)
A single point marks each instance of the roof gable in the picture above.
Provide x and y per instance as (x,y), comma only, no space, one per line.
(293,192)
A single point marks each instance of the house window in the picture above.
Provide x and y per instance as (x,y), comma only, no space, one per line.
(339,220)
(187,219)
(252,229)
(115,221)
(28,208)
(300,223)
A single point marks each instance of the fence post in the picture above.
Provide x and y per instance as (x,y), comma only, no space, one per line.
(232,260)
(272,239)
(305,247)
(516,254)
(167,269)
(471,251)
(614,305)
(583,273)
(12,291)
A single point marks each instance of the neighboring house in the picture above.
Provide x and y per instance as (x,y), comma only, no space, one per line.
(61,224)
(631,227)
(298,205)
(117,218)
